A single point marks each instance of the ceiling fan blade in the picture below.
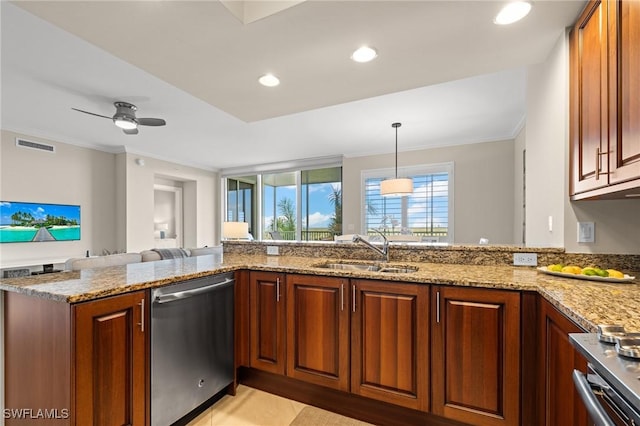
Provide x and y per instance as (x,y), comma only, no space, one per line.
(130,131)
(151,121)
(91,113)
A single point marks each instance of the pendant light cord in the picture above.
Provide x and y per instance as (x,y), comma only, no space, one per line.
(395,126)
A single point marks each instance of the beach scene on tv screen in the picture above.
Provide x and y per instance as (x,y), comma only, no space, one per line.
(33,222)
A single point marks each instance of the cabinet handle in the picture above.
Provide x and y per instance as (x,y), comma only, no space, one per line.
(437,306)
(342,296)
(599,161)
(353,298)
(277,289)
(141,323)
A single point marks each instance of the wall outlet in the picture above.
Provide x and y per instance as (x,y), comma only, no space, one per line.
(525,259)
(272,251)
(586,232)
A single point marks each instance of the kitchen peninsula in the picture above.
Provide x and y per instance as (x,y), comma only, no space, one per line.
(508,304)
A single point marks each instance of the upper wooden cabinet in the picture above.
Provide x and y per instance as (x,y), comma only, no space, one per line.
(624,89)
(475,361)
(604,106)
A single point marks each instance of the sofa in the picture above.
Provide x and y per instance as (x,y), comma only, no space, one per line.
(78,263)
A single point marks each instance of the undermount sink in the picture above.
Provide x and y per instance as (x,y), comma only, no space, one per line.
(391,269)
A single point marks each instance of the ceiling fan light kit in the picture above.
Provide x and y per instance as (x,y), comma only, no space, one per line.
(125,123)
(125,118)
(397,187)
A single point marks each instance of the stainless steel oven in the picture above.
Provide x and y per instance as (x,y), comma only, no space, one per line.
(611,387)
(605,406)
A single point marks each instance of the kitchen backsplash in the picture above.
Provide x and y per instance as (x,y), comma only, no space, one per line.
(455,254)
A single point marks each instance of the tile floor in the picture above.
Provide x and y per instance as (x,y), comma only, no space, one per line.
(250,407)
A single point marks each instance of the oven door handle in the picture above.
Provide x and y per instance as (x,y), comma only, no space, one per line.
(170,297)
(598,415)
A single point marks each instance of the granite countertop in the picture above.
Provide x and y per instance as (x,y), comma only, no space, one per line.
(588,303)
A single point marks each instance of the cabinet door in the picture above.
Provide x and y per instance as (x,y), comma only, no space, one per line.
(589,100)
(318,330)
(110,362)
(267,306)
(624,42)
(562,404)
(476,355)
(390,342)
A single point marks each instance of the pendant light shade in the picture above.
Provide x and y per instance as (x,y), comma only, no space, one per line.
(397,187)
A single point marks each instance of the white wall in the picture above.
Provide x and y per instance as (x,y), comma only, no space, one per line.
(518,184)
(201,211)
(115,194)
(483,193)
(71,175)
(546,144)
(617,223)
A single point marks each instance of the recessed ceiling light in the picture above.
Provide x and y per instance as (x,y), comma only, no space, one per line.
(364,54)
(512,12)
(269,80)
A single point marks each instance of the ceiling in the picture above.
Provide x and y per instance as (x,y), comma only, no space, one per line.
(444,70)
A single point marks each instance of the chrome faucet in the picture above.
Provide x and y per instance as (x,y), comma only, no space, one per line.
(384,251)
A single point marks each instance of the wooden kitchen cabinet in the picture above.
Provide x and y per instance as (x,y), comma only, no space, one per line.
(624,87)
(390,342)
(589,100)
(475,365)
(85,363)
(267,300)
(561,403)
(111,361)
(318,330)
(604,106)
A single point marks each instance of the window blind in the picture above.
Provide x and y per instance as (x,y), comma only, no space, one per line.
(425,212)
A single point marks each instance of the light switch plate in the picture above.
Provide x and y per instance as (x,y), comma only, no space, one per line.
(272,251)
(586,232)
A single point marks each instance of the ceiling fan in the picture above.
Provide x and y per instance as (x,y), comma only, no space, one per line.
(125,118)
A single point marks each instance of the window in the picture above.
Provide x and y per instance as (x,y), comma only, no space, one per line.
(428,212)
(240,200)
(293,205)
(321,204)
(279,201)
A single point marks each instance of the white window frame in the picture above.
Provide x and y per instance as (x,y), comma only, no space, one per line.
(409,171)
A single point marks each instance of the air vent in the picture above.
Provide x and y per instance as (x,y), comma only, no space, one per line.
(23,143)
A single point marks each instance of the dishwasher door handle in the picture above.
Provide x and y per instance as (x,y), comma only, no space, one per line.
(172,297)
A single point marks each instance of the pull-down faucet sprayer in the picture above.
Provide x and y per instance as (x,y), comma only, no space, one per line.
(384,251)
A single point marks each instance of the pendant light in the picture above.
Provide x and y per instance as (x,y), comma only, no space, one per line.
(397,187)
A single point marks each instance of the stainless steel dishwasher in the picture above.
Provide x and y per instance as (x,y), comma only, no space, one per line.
(191,345)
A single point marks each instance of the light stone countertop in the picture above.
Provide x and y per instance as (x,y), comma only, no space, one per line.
(588,303)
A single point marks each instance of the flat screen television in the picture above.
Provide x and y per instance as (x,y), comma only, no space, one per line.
(35,222)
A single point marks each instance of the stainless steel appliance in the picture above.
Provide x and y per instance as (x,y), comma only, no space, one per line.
(611,387)
(191,345)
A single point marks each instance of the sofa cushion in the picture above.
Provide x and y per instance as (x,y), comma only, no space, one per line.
(150,256)
(78,263)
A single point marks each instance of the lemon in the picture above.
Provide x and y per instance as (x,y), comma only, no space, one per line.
(555,268)
(570,269)
(615,274)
